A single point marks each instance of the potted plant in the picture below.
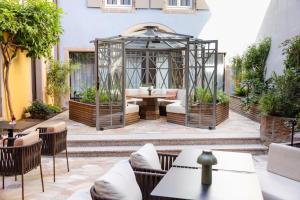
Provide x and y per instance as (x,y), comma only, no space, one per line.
(280,104)
(249,78)
(203,105)
(84,109)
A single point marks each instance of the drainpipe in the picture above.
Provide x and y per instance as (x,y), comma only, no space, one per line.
(58,43)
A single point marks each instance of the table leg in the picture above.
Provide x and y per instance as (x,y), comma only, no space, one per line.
(150,109)
(10,138)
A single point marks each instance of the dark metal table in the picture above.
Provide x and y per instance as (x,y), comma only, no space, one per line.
(185,183)
(229,161)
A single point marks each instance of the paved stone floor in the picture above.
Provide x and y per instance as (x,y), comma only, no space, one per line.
(83,172)
(236,125)
(82,175)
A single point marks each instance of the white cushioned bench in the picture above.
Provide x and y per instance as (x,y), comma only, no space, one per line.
(281,178)
(131,114)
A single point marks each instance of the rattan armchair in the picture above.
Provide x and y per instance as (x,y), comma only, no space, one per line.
(53,144)
(20,160)
(146,181)
(166,161)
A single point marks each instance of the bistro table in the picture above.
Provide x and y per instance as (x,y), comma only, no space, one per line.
(149,108)
(10,128)
(230,161)
(185,183)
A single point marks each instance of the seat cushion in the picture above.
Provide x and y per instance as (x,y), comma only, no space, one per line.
(56,127)
(284,160)
(143,90)
(28,139)
(146,157)
(175,108)
(171,95)
(119,183)
(82,194)
(275,187)
(181,94)
(131,108)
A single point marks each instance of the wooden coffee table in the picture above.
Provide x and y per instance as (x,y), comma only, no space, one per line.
(149,109)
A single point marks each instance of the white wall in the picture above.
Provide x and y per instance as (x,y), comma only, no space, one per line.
(234,23)
(281,22)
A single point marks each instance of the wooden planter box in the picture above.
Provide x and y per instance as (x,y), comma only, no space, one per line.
(86,114)
(272,129)
(253,113)
(204,115)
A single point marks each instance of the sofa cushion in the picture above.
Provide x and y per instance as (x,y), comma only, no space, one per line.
(171,95)
(175,108)
(145,157)
(181,94)
(131,108)
(119,183)
(143,90)
(132,91)
(56,127)
(82,194)
(28,139)
(275,187)
(284,160)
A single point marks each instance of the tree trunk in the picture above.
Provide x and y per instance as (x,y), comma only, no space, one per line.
(6,87)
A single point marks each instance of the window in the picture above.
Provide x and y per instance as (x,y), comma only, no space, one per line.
(120,3)
(180,3)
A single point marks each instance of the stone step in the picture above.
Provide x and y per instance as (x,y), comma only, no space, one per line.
(162,140)
(124,151)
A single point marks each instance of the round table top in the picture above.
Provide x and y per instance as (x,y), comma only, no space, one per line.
(147,96)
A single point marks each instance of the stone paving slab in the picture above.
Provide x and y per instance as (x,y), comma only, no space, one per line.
(236,126)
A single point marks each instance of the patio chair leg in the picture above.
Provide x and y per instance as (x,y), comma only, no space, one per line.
(2,182)
(41,172)
(22,187)
(54,168)
(67,160)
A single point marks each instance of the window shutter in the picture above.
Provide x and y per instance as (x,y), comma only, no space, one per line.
(94,3)
(201,5)
(142,4)
(157,4)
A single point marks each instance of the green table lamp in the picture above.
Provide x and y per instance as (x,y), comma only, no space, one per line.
(207,159)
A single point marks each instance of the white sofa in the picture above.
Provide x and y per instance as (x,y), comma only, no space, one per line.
(280,180)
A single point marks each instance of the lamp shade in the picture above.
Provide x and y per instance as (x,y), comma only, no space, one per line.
(207,158)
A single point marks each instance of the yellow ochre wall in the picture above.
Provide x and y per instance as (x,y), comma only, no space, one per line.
(20,86)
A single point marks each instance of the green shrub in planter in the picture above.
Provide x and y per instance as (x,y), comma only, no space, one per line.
(283,97)
(240,91)
(55,109)
(39,110)
(89,96)
(204,96)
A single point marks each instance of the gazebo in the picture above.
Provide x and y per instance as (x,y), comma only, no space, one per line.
(163,60)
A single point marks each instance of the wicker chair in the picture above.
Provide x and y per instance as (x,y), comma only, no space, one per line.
(166,161)
(20,160)
(53,144)
(146,181)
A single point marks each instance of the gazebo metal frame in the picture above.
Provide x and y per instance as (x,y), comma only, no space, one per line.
(120,58)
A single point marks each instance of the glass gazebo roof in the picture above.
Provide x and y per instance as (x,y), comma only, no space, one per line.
(151,37)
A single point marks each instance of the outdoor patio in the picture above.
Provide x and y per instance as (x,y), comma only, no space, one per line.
(149,100)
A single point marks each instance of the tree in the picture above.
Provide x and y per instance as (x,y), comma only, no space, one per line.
(57,79)
(33,27)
